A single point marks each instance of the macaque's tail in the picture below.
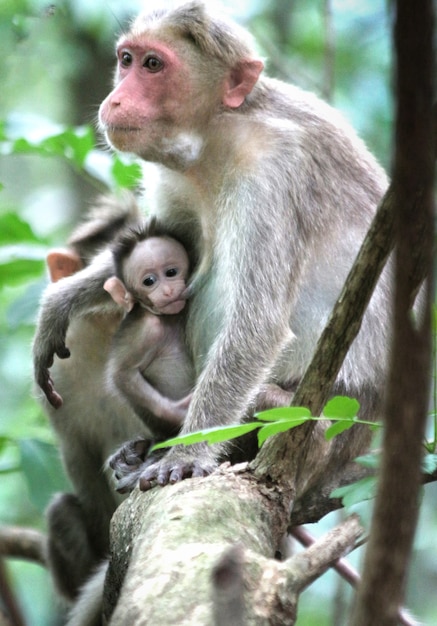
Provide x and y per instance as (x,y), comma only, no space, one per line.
(103,222)
(87,611)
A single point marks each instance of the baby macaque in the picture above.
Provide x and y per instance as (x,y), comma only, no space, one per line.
(148,363)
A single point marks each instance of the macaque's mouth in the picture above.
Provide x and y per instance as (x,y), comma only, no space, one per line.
(121,129)
(173,307)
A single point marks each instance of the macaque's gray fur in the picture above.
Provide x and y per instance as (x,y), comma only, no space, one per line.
(275,192)
(276,200)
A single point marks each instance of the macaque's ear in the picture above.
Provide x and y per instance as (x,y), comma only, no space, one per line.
(119,293)
(62,262)
(241,81)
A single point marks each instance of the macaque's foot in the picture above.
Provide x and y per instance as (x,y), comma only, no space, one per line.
(130,460)
(177,464)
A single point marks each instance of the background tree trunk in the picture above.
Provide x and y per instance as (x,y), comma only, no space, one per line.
(396,508)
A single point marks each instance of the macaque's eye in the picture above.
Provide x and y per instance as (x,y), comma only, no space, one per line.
(149,281)
(125,58)
(172,272)
(153,64)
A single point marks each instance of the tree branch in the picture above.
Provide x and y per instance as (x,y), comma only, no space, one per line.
(183,555)
(23,543)
(346,571)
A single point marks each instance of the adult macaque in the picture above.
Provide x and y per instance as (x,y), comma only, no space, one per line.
(148,361)
(90,423)
(275,192)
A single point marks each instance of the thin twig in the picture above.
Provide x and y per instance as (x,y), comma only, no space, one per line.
(346,571)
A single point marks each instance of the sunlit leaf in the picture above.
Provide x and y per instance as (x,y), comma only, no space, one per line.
(210,436)
(13,229)
(279,427)
(289,412)
(20,271)
(341,406)
(34,135)
(78,143)
(126,175)
(338,427)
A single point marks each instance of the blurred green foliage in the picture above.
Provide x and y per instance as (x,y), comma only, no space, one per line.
(57,67)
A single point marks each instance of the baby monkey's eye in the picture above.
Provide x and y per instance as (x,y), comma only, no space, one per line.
(170,273)
(149,281)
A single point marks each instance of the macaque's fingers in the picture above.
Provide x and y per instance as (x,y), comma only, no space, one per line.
(54,398)
(45,382)
(178,465)
(63,352)
(42,362)
(127,483)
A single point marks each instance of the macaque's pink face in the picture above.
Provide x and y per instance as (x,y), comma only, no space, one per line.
(155,97)
(157,271)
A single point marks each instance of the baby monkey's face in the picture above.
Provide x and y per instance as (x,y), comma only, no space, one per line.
(156,273)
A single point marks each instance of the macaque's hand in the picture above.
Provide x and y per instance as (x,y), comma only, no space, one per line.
(180,462)
(42,361)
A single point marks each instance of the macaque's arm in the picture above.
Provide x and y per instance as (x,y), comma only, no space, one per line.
(79,294)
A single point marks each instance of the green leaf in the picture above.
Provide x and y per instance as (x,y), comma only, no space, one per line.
(364,489)
(13,229)
(339,426)
(34,135)
(78,143)
(341,407)
(371,460)
(290,412)
(210,435)
(126,175)
(42,469)
(279,427)
(19,271)
(20,263)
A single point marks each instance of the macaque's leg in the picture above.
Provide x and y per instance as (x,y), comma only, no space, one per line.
(69,543)
(78,525)
(271,396)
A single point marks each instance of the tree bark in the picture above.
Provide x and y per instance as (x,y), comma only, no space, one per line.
(177,541)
